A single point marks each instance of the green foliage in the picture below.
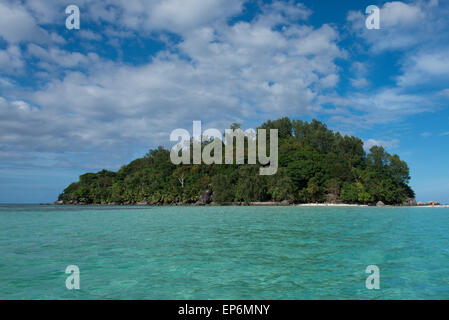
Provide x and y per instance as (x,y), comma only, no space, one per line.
(223,190)
(250,185)
(283,125)
(350,193)
(315,165)
(280,186)
(235,126)
(356,193)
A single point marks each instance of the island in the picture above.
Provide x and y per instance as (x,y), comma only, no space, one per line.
(316,165)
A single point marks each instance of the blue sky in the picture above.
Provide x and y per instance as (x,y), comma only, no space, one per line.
(76,101)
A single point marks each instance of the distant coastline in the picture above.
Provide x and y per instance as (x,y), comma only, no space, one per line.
(253,204)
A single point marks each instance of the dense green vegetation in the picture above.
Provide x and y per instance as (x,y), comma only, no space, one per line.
(315,165)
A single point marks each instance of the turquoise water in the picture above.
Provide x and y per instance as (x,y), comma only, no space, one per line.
(223,252)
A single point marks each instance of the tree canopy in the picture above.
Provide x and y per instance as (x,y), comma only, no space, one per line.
(315,165)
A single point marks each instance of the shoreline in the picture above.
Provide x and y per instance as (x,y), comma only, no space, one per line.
(252,204)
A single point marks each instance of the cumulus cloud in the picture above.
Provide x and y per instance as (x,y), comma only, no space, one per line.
(61,58)
(17,25)
(177,16)
(402,25)
(383,106)
(90,35)
(359,83)
(359,68)
(181,15)
(247,70)
(419,30)
(423,67)
(387,144)
(445,92)
(359,72)
(416,32)
(11,60)
(218,71)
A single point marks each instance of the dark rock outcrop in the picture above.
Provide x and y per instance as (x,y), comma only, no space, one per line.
(410,202)
(206,197)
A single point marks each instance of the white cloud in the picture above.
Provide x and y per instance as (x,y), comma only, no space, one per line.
(387,144)
(90,35)
(360,72)
(61,58)
(183,15)
(402,15)
(416,32)
(359,83)
(403,25)
(283,12)
(6,83)
(249,70)
(366,110)
(425,67)
(444,92)
(11,60)
(142,15)
(178,16)
(18,25)
(359,68)
(330,81)
(274,65)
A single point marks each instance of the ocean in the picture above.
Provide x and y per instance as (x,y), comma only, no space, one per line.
(223,252)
